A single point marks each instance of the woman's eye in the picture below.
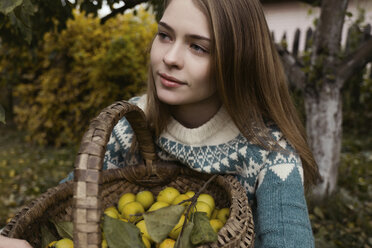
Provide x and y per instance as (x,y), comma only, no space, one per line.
(163,36)
(198,49)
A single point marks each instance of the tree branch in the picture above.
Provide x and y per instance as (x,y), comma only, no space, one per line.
(292,67)
(356,61)
(128,5)
(328,33)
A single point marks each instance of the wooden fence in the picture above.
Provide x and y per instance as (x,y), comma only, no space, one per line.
(355,36)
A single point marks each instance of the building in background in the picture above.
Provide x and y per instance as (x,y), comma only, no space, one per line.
(285,16)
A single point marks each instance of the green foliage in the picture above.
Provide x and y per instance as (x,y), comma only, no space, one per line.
(17,64)
(202,232)
(184,240)
(65,229)
(356,92)
(7,6)
(2,114)
(80,71)
(160,222)
(27,20)
(158,7)
(121,234)
(24,22)
(46,236)
(344,220)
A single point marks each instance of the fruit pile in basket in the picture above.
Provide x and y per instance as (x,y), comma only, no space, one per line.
(159,220)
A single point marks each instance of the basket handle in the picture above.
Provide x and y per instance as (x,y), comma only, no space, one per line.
(87,204)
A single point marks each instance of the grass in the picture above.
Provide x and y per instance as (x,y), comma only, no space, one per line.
(27,170)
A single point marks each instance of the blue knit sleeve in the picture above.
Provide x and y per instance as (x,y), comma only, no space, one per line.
(280,209)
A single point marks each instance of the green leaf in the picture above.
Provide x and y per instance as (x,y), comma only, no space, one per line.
(160,222)
(46,236)
(64,229)
(120,234)
(26,31)
(7,6)
(349,14)
(184,241)
(318,212)
(29,7)
(202,231)
(2,114)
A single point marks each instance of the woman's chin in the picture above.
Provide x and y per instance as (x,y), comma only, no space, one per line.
(171,102)
(170,99)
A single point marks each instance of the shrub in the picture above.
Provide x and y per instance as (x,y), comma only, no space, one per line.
(83,69)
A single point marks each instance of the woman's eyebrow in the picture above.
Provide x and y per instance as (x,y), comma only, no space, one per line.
(198,37)
(192,36)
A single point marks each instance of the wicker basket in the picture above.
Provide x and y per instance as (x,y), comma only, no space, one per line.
(92,190)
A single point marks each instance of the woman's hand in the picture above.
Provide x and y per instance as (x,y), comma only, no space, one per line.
(13,243)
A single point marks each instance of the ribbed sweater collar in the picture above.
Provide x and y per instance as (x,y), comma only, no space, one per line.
(217,130)
(200,134)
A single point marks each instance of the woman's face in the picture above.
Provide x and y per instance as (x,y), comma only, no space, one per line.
(180,56)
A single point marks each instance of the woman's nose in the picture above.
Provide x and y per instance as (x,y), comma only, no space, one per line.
(174,56)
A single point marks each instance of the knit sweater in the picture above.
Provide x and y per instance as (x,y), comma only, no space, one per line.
(273,179)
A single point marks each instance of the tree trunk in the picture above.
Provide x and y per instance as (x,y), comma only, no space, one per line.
(323,102)
(324,129)
(321,82)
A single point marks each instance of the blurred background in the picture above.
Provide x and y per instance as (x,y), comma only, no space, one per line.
(62,61)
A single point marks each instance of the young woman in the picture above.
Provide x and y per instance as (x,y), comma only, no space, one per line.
(218,102)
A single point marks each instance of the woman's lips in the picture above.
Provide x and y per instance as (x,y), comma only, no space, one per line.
(169,81)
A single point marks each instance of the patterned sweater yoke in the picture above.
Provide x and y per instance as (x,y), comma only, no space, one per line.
(273,179)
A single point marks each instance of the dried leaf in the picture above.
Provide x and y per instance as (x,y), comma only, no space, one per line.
(184,241)
(160,222)
(64,229)
(202,231)
(120,234)
(46,236)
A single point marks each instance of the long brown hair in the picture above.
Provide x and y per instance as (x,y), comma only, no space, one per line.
(249,76)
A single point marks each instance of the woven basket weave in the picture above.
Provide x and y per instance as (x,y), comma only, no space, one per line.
(83,200)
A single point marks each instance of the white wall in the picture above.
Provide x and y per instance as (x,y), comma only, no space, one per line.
(287,17)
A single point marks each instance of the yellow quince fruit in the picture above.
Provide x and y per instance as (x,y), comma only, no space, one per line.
(124,199)
(146,198)
(132,208)
(64,243)
(167,195)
